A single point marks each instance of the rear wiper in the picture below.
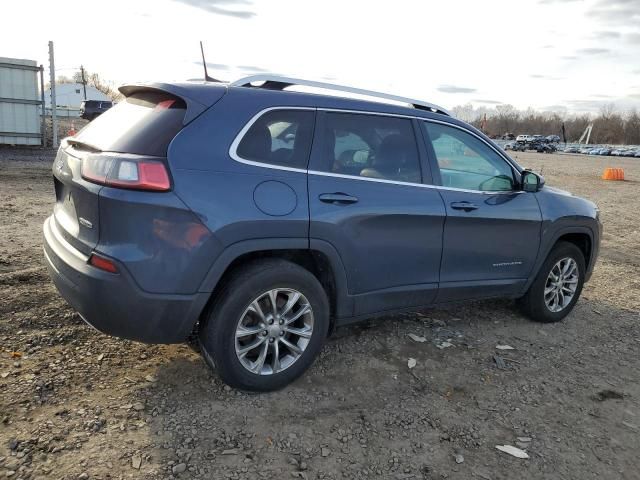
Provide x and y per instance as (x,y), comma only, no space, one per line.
(80,145)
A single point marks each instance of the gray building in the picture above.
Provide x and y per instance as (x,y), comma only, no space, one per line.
(19,102)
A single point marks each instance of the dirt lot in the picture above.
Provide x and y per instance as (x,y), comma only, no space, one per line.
(76,404)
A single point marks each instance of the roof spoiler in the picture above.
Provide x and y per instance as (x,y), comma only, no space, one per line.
(197,100)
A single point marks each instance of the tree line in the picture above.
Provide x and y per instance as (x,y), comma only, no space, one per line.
(609,125)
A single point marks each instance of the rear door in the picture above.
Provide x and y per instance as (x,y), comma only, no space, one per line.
(492,231)
(75,213)
(143,124)
(367,201)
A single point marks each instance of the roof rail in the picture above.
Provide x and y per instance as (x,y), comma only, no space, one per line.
(276,82)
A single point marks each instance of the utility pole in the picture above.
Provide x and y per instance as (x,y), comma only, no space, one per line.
(52,79)
(84,82)
(43,116)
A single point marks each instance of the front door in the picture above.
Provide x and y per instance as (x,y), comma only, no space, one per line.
(366,199)
(492,231)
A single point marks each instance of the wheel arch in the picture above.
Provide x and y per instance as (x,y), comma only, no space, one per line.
(319,258)
(581,240)
(582,237)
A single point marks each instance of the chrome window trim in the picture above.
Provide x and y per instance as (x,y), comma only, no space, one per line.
(234,154)
(411,184)
(233,149)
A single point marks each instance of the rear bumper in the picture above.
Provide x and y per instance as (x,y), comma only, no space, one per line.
(113,303)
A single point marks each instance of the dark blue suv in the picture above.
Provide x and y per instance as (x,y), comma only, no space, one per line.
(261,218)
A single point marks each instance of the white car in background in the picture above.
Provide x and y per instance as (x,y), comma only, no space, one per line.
(524,138)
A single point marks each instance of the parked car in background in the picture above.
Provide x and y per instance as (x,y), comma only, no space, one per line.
(552,138)
(235,212)
(524,138)
(623,152)
(90,109)
(509,145)
(604,151)
(542,147)
(571,150)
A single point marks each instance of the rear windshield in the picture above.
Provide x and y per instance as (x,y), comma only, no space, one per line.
(143,123)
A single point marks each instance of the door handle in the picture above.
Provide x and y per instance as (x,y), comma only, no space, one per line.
(466,206)
(337,198)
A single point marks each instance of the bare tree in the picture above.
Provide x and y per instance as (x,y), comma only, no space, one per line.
(60,79)
(94,80)
(632,128)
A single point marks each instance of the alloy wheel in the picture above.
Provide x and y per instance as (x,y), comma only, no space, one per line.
(561,284)
(274,331)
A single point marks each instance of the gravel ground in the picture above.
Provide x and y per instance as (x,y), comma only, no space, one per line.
(76,404)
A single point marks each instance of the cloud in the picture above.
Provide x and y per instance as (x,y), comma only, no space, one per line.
(587,105)
(601,95)
(632,37)
(221,7)
(215,66)
(488,102)
(593,51)
(555,108)
(616,12)
(551,2)
(634,96)
(605,34)
(251,68)
(545,77)
(569,57)
(455,89)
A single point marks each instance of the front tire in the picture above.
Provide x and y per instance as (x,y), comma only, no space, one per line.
(267,326)
(558,285)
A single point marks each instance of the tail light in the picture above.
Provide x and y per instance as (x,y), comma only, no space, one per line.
(137,174)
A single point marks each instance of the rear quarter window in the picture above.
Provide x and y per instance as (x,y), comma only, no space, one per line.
(278,137)
(144,123)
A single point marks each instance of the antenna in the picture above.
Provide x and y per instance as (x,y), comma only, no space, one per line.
(207,78)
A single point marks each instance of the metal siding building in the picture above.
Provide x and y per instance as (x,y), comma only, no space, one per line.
(19,102)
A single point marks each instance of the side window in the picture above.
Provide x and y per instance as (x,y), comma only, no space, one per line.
(467,162)
(371,146)
(279,137)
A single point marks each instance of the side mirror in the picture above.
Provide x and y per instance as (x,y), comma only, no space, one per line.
(531,182)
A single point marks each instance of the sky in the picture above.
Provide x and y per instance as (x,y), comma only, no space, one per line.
(570,56)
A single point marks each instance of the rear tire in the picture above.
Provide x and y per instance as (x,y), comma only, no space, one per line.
(554,293)
(243,315)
